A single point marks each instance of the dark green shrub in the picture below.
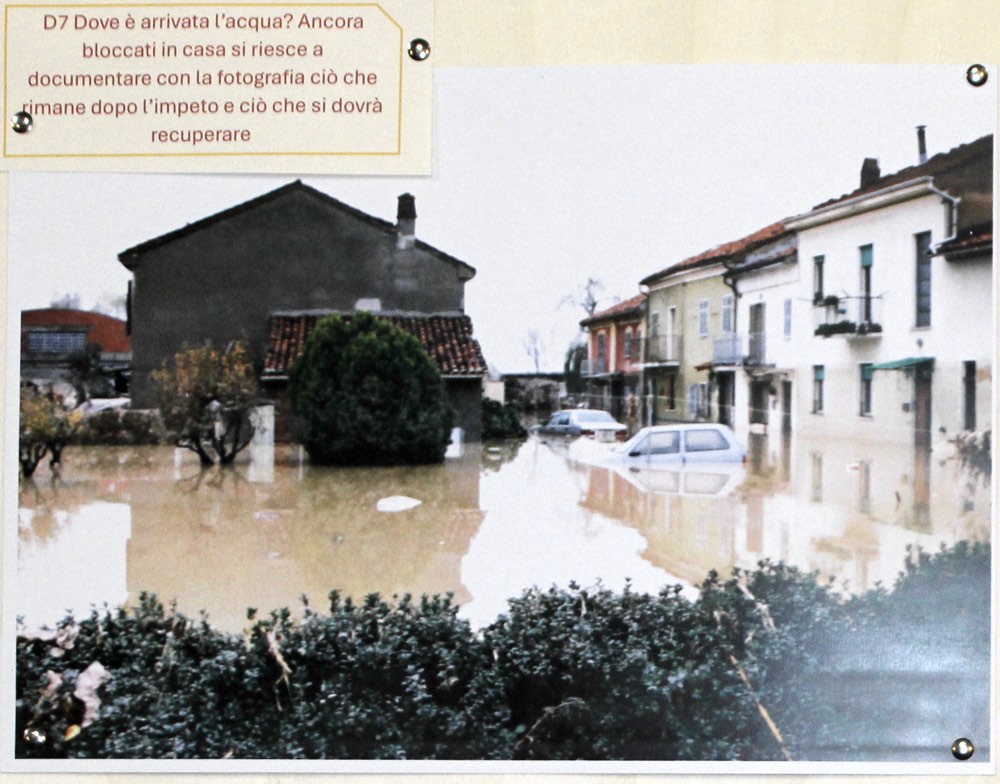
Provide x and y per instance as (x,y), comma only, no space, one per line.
(366,393)
(500,420)
(121,427)
(749,671)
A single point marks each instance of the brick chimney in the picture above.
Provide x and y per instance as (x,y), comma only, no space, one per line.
(921,143)
(406,221)
(870,172)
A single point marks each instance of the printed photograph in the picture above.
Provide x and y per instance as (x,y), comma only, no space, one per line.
(652,429)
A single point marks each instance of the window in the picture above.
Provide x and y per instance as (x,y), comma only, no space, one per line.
(57,342)
(818,277)
(628,344)
(787,320)
(658,444)
(923,252)
(866,389)
(969,395)
(672,391)
(727,313)
(654,324)
(819,375)
(703,317)
(602,347)
(867,260)
(704,441)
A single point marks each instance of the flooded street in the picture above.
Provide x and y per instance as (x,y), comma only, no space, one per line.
(490,523)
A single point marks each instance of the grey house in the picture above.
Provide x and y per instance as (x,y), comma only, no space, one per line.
(262,271)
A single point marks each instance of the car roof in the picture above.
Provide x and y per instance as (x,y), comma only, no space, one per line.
(686,426)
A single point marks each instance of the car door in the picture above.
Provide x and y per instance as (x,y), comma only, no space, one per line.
(708,445)
(661,448)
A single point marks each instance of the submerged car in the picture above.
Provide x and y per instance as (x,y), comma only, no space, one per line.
(669,445)
(577,422)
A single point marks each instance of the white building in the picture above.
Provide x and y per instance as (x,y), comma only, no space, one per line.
(893,303)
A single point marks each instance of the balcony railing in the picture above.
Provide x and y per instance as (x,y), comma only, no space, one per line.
(594,367)
(854,316)
(733,349)
(662,348)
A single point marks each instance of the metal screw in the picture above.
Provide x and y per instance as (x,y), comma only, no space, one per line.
(21,122)
(963,748)
(419,49)
(977,75)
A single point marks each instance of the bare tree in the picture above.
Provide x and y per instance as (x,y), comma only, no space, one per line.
(66,301)
(586,298)
(535,347)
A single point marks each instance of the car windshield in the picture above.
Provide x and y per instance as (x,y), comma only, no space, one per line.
(594,416)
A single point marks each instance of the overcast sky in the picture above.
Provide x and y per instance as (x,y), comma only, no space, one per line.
(544,177)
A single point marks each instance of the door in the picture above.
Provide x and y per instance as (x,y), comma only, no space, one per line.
(922,394)
(727,397)
(786,407)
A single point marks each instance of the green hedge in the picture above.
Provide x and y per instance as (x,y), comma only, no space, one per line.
(568,673)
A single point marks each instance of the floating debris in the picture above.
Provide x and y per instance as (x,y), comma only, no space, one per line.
(397,503)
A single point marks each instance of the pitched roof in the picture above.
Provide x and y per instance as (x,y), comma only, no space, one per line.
(630,306)
(943,167)
(974,242)
(110,332)
(130,256)
(446,338)
(720,253)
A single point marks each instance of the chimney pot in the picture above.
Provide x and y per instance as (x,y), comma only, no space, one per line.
(922,143)
(406,221)
(870,172)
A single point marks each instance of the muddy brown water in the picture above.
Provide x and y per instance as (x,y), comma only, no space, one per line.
(490,523)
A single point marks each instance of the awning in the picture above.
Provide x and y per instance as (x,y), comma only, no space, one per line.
(902,364)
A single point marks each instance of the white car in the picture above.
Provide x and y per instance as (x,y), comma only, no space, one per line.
(668,445)
(575,422)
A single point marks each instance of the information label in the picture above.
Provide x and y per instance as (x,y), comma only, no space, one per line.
(322,83)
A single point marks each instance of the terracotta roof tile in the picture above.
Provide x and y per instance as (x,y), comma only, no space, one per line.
(618,309)
(979,151)
(721,252)
(447,339)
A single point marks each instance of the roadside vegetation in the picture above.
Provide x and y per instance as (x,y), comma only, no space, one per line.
(566,673)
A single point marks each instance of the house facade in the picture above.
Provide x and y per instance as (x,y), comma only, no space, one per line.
(52,337)
(696,345)
(688,303)
(891,273)
(295,252)
(612,369)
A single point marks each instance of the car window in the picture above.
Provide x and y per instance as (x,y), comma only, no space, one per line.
(658,444)
(704,441)
(561,419)
(594,416)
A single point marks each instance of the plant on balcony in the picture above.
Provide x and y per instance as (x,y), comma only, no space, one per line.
(836,328)
(868,328)
(829,301)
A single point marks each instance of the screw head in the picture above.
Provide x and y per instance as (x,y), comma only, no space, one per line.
(419,49)
(21,122)
(977,75)
(963,749)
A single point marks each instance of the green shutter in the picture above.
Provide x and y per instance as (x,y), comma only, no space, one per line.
(866,255)
(819,372)
(866,372)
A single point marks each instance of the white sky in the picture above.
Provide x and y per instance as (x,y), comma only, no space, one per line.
(547,176)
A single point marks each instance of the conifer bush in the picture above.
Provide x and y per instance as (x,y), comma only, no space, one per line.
(365,392)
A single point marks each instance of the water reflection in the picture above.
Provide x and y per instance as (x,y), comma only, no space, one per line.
(490,523)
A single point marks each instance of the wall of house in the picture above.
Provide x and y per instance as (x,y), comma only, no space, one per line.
(951,339)
(685,293)
(220,282)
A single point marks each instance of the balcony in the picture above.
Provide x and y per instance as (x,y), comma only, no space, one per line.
(733,349)
(852,317)
(594,367)
(662,349)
